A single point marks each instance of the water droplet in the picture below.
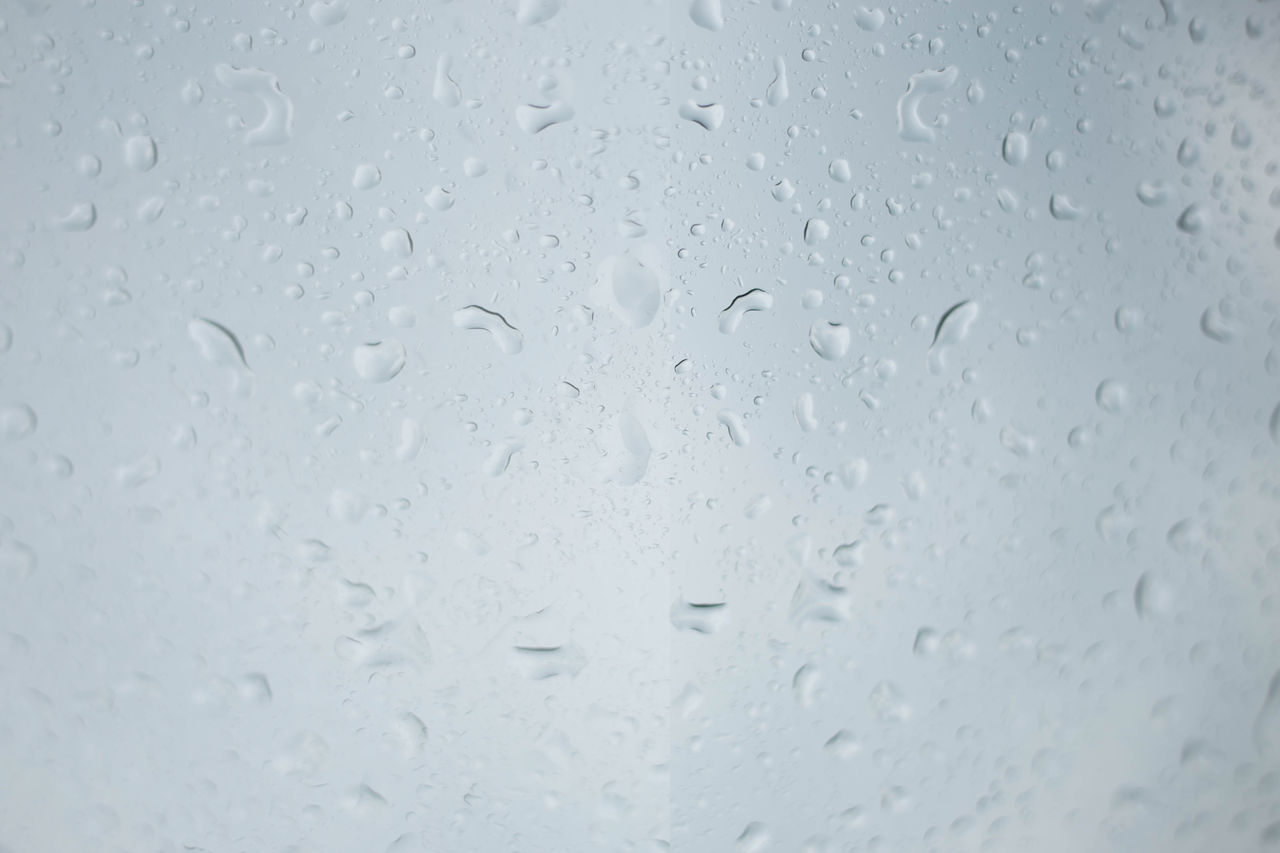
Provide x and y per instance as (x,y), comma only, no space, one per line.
(1241,135)
(219,346)
(81,217)
(1193,220)
(926,643)
(1186,536)
(17,421)
(1064,209)
(815,231)
(1112,396)
(818,600)
(1154,193)
(531,12)
(742,304)
(778,91)
(911,127)
(1016,148)
(634,288)
(411,735)
(1266,726)
(737,429)
(1016,441)
(140,153)
(255,688)
(707,14)
(839,171)
(397,242)
(366,176)
(804,685)
(1216,323)
(869,20)
(17,560)
(132,474)
(629,465)
(706,618)
(830,340)
(888,703)
(708,116)
(276,127)
(328,13)
(541,662)
(1152,596)
(379,361)
(953,328)
(500,459)
(804,412)
(446,92)
(411,440)
(754,838)
(843,745)
(507,337)
(535,118)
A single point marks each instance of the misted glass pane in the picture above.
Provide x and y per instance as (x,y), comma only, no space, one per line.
(551,426)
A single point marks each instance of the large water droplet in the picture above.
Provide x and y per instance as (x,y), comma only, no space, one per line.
(911,127)
(446,92)
(531,12)
(634,288)
(1016,148)
(707,14)
(379,361)
(17,420)
(830,340)
(742,304)
(507,337)
(140,153)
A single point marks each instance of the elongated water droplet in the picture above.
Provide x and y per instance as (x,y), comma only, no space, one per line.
(446,92)
(1266,726)
(737,429)
(535,118)
(778,91)
(702,618)
(708,116)
(635,290)
(507,337)
(742,304)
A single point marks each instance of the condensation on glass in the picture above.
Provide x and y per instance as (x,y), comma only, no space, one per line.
(512,426)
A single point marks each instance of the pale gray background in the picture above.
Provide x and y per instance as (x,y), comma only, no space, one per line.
(1009,584)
